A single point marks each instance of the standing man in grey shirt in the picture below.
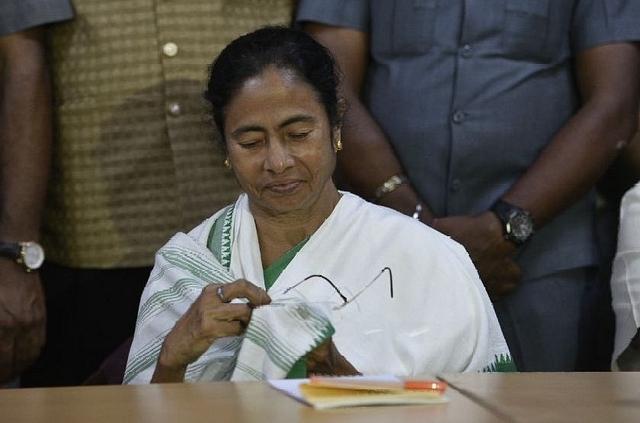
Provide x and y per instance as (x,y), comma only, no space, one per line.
(492,121)
(25,149)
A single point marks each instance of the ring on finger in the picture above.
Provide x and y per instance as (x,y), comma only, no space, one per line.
(220,294)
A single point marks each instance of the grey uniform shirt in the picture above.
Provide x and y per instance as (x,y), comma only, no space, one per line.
(470,92)
(17,15)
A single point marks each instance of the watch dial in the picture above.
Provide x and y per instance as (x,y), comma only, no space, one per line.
(33,256)
(521,227)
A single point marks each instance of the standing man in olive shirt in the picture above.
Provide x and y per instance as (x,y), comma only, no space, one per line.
(25,151)
(134,160)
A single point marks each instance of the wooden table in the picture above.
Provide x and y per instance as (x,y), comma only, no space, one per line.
(210,402)
(554,397)
(474,397)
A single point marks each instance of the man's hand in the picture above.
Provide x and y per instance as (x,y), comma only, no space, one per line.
(22,319)
(490,252)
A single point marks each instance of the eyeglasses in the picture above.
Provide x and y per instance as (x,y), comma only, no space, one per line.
(344,299)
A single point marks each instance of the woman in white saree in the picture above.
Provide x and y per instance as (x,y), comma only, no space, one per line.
(297,277)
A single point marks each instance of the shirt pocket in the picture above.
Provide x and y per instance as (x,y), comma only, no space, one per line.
(528,33)
(403,27)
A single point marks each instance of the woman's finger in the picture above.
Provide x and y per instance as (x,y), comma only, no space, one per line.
(241,288)
(240,312)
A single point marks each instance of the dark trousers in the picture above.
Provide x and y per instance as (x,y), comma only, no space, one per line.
(551,323)
(90,312)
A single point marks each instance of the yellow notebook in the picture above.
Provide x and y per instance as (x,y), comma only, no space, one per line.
(332,392)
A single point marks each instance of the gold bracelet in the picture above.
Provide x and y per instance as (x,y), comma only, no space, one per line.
(389,185)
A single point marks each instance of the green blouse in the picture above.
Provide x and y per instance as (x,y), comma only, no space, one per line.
(271,273)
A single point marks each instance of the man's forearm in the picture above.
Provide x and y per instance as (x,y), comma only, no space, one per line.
(25,150)
(582,150)
(367,160)
(25,134)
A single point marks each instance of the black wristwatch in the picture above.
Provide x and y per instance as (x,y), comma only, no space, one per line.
(517,222)
(29,255)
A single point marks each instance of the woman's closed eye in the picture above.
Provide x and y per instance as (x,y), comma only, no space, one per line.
(299,135)
(251,143)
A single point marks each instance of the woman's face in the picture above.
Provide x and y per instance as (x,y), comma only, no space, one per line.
(279,142)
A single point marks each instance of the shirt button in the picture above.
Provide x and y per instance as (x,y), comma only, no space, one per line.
(466,50)
(175,109)
(459,116)
(455,185)
(170,49)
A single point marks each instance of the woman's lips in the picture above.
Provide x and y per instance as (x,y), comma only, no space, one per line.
(283,187)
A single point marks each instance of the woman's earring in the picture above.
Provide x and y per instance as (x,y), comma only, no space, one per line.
(227,163)
(337,145)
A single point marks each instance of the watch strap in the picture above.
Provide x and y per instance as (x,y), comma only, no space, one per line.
(10,250)
(503,210)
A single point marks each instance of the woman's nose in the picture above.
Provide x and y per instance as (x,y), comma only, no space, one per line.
(278,157)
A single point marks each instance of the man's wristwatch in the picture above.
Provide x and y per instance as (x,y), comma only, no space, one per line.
(29,254)
(517,222)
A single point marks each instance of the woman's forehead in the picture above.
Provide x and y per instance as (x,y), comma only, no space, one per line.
(274,87)
(273,75)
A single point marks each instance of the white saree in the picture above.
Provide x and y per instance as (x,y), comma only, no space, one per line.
(433,317)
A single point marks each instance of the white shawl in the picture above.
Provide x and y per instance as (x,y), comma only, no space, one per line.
(625,279)
(439,319)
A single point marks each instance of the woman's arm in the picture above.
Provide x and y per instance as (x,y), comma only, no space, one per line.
(210,317)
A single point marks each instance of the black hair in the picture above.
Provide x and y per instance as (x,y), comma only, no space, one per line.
(279,46)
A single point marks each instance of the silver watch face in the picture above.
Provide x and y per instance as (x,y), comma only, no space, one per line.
(33,255)
(520,226)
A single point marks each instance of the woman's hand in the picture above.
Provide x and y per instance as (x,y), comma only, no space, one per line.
(210,317)
(327,360)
